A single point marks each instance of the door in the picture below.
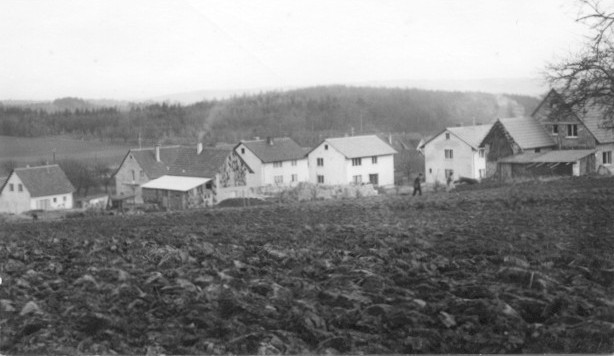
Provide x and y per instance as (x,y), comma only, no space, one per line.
(373,179)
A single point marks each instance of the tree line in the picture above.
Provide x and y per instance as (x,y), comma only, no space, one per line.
(307,115)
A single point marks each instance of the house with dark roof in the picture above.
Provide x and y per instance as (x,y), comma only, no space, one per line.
(512,136)
(352,160)
(36,188)
(225,174)
(577,129)
(455,152)
(275,161)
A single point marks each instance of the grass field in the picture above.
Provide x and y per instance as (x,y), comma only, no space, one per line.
(33,150)
(527,268)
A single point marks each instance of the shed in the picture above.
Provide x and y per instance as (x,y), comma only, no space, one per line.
(551,163)
(176,192)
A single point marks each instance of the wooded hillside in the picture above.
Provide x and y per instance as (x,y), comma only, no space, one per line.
(307,115)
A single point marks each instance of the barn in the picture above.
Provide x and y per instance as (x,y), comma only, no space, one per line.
(550,163)
(176,192)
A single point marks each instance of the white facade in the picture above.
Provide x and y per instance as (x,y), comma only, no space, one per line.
(15,198)
(608,149)
(331,167)
(448,153)
(281,173)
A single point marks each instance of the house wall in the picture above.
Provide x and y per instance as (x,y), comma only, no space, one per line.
(497,145)
(53,202)
(14,202)
(255,179)
(334,169)
(599,164)
(124,182)
(174,200)
(463,162)
(301,169)
(384,168)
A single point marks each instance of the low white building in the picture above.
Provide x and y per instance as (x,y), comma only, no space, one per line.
(36,188)
(455,151)
(352,160)
(274,161)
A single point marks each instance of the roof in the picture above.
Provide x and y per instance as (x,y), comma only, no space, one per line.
(558,156)
(281,149)
(44,180)
(472,135)
(527,132)
(181,184)
(593,120)
(361,146)
(146,157)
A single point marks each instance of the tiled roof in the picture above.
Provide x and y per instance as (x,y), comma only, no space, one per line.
(593,120)
(557,156)
(44,180)
(206,164)
(361,146)
(472,135)
(527,132)
(175,183)
(146,157)
(281,149)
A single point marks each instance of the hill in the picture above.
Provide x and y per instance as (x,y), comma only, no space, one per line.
(491,271)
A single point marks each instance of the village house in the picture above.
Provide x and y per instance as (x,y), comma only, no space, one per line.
(577,129)
(226,173)
(352,160)
(274,161)
(36,188)
(455,152)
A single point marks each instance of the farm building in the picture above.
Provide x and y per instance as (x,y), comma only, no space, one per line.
(512,136)
(226,170)
(455,151)
(577,129)
(36,188)
(352,160)
(99,201)
(550,163)
(274,161)
(175,192)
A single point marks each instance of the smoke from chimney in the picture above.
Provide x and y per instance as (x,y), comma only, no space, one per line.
(158,153)
(199,148)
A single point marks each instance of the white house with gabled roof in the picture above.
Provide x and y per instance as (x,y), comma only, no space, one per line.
(275,161)
(455,151)
(352,160)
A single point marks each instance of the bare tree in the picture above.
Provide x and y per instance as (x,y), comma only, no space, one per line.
(586,80)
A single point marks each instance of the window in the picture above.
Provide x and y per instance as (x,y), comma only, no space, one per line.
(357,179)
(11,187)
(374,160)
(555,129)
(373,179)
(449,154)
(572,130)
(133,175)
(277,164)
(356,161)
(64,198)
(538,150)
(326,147)
(294,163)
(294,178)
(20,187)
(320,162)
(242,150)
(607,157)
(449,173)
(430,170)
(320,179)
(447,135)
(55,200)
(481,153)
(279,179)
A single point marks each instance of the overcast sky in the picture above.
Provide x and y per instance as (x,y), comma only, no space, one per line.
(139,49)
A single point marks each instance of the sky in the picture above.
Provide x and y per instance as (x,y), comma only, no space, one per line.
(137,49)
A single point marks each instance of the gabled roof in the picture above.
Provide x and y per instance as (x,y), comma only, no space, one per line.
(527,132)
(556,156)
(43,180)
(175,183)
(146,157)
(360,146)
(278,149)
(593,120)
(471,135)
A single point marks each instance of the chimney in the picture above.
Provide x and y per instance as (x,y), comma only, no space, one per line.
(199,147)
(257,138)
(158,152)
(390,139)
(269,141)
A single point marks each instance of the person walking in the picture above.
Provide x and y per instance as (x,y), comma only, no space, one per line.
(417,184)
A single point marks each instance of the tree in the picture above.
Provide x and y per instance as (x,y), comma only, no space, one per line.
(586,80)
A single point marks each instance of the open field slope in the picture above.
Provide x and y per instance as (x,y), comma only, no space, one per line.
(522,269)
(37,149)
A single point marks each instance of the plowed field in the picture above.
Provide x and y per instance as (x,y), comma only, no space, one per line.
(523,269)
